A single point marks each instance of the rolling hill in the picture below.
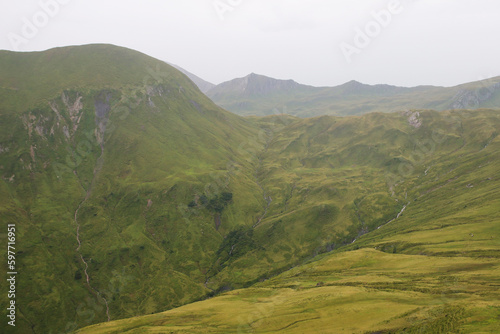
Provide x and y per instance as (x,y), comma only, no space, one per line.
(133,193)
(260,96)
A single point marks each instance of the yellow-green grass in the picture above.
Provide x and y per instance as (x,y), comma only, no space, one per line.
(361,291)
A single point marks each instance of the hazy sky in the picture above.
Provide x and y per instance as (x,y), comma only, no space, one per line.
(316,42)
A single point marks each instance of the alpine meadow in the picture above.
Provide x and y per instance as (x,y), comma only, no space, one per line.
(142,206)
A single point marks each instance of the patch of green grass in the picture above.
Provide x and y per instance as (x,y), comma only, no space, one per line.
(363,291)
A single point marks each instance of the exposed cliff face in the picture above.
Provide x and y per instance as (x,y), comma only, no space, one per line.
(102,109)
(470,99)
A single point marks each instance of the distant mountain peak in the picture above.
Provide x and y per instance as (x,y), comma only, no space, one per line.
(255,76)
(257,94)
(353,82)
(255,85)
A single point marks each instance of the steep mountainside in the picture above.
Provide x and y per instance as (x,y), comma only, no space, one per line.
(101,151)
(352,98)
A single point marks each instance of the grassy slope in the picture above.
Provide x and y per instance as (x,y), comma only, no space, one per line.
(363,291)
(164,143)
(333,179)
(434,269)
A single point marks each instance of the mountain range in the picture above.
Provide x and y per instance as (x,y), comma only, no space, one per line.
(259,95)
(140,205)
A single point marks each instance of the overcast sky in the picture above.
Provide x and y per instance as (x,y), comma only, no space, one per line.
(315,42)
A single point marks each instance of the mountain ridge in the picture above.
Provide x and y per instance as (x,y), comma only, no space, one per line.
(350,98)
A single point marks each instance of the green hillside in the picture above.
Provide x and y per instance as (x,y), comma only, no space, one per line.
(110,145)
(260,96)
(363,291)
(133,193)
(430,268)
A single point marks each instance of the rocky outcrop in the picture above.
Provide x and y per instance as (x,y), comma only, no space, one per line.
(73,106)
(102,108)
(413,119)
(470,99)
